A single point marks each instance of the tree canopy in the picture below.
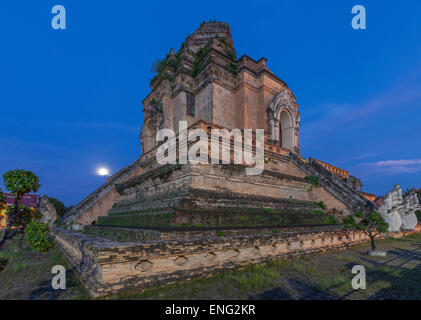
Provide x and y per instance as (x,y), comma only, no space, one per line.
(372,223)
(20,182)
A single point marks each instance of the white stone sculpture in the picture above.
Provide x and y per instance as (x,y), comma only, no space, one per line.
(407,212)
(389,208)
(399,211)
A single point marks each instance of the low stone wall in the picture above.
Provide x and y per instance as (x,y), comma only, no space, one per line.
(105,266)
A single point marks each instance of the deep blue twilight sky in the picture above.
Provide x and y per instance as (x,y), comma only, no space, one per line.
(71,100)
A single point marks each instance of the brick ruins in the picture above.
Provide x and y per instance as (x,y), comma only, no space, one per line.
(152,223)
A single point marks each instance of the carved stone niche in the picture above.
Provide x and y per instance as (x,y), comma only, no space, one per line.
(211,257)
(154,121)
(235,253)
(284,121)
(180,261)
(144,266)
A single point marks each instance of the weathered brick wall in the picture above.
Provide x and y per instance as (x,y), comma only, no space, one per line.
(137,234)
(105,266)
(165,188)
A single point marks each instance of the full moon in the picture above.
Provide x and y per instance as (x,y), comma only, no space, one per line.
(103,172)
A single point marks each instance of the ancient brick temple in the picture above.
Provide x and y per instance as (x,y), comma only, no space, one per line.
(156,223)
(206,85)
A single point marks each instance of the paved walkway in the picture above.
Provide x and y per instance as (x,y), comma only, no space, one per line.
(398,276)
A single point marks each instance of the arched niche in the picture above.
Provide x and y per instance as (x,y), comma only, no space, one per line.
(283,121)
(286,130)
(147,135)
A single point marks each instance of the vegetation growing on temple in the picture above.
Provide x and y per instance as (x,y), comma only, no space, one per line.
(165,69)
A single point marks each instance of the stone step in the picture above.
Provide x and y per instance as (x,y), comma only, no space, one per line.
(334,185)
(224,217)
(141,234)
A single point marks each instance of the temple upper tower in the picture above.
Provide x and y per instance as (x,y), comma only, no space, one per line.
(204,80)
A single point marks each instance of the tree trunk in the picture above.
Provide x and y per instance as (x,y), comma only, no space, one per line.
(373,244)
(8,234)
(4,235)
(21,239)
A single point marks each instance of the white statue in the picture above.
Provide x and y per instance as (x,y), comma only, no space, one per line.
(399,211)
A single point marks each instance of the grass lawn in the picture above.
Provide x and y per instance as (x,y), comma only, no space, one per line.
(318,276)
(26,274)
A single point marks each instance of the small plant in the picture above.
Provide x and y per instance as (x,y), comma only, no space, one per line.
(187,225)
(198,64)
(232,68)
(313,180)
(220,234)
(38,236)
(321,204)
(268,211)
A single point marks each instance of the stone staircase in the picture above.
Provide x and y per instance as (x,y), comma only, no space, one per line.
(334,185)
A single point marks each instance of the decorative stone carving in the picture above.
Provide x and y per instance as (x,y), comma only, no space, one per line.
(389,208)
(180,261)
(49,213)
(289,124)
(399,211)
(235,253)
(144,266)
(210,257)
(154,121)
(407,212)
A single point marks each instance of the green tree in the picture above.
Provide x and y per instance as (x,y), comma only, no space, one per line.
(371,223)
(19,182)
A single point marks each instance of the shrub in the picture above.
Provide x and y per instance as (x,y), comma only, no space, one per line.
(268,210)
(321,204)
(332,220)
(313,180)
(39,237)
